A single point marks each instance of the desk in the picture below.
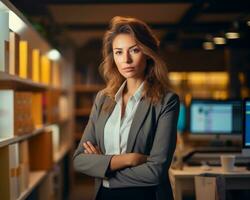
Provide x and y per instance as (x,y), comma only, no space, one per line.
(182,180)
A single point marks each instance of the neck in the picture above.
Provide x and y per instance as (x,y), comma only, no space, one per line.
(133,85)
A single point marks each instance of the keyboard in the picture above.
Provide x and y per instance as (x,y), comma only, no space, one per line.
(210,151)
(238,163)
(213,159)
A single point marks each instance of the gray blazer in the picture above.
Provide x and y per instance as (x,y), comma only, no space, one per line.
(153,133)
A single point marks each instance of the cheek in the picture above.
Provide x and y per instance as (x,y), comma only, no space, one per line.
(142,62)
(116,61)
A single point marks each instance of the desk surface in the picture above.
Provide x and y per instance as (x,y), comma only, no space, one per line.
(190,171)
(183,180)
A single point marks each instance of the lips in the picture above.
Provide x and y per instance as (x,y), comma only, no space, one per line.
(128,69)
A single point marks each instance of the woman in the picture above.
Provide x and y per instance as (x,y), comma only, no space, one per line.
(130,138)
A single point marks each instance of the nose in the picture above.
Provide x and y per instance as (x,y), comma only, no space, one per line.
(127,58)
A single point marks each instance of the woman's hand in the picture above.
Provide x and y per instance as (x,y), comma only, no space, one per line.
(136,159)
(89,148)
(117,161)
(127,160)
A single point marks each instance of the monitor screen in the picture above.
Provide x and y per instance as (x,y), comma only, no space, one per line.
(246,125)
(181,125)
(215,116)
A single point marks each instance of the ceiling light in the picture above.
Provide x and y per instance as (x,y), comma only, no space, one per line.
(219,40)
(208,45)
(54,54)
(232,35)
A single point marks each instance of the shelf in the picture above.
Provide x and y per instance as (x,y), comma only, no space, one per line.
(63,121)
(61,90)
(34,179)
(88,88)
(61,153)
(83,112)
(8,141)
(9,81)
(64,90)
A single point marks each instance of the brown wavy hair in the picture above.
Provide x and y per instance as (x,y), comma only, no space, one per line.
(156,82)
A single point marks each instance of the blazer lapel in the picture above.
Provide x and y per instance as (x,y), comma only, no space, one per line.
(139,117)
(104,115)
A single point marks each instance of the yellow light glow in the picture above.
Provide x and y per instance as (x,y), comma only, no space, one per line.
(208,78)
(208,45)
(177,77)
(219,40)
(232,35)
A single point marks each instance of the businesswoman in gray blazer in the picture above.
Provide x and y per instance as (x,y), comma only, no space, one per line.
(130,137)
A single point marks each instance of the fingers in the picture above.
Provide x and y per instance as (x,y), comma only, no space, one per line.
(90,148)
(98,150)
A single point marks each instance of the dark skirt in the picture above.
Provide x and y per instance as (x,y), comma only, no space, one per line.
(133,193)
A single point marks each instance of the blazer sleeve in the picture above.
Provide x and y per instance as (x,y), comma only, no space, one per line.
(154,171)
(91,164)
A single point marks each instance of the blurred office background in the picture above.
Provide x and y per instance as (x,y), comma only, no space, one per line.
(206,45)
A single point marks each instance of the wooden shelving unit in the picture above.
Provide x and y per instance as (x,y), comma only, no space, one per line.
(9,81)
(34,179)
(200,84)
(83,111)
(85,95)
(61,153)
(88,88)
(32,155)
(12,140)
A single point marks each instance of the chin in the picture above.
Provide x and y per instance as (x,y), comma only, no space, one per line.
(127,75)
(131,77)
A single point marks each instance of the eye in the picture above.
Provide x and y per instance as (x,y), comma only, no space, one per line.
(118,53)
(136,50)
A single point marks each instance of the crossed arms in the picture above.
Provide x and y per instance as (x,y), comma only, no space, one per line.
(131,169)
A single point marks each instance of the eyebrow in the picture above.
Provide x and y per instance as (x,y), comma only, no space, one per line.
(128,48)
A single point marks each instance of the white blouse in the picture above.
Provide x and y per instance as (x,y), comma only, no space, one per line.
(116,129)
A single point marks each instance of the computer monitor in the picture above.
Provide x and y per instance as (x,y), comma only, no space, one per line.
(181,124)
(215,117)
(246,127)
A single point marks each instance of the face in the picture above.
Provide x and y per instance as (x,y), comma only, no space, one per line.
(128,57)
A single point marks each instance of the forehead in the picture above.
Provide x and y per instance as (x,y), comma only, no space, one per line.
(123,41)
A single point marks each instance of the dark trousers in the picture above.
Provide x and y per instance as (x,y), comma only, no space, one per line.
(133,193)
